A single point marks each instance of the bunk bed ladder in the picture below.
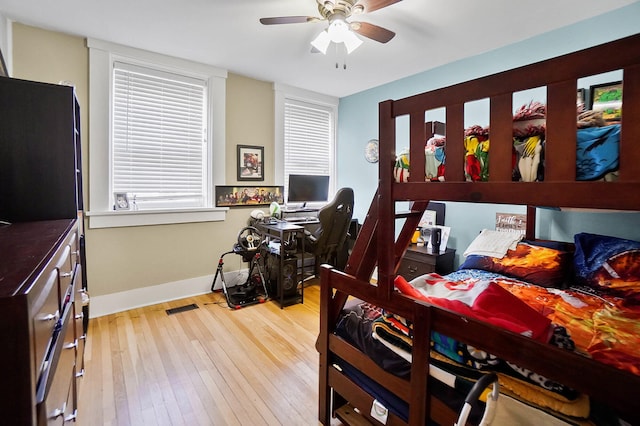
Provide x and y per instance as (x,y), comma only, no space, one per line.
(363,258)
(361,264)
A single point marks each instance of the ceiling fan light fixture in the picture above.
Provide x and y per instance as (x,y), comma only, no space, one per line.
(322,41)
(338,32)
(351,42)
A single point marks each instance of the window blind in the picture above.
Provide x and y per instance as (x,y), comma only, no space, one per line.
(158,137)
(308,139)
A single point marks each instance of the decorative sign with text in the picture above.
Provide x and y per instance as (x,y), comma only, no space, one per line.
(511,222)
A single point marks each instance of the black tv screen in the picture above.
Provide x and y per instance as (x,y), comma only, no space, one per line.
(308,188)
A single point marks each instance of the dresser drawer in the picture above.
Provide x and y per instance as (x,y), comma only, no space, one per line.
(78,318)
(46,316)
(65,270)
(55,396)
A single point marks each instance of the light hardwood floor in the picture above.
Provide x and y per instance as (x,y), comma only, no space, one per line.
(207,366)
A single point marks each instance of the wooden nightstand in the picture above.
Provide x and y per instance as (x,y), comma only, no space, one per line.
(419,261)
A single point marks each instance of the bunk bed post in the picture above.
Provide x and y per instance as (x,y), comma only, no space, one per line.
(419,394)
(322,346)
(386,206)
(530,232)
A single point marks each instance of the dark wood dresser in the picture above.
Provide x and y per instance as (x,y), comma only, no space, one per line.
(41,327)
(42,268)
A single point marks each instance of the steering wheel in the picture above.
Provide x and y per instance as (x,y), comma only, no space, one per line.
(249,238)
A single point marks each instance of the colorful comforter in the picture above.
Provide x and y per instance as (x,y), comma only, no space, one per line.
(602,327)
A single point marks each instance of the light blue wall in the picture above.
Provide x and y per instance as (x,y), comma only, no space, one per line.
(358,123)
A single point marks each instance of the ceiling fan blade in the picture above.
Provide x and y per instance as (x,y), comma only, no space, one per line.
(371,5)
(288,20)
(372,31)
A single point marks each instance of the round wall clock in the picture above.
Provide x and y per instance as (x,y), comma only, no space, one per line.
(371,151)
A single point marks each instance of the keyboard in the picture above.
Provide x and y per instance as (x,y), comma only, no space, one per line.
(300,219)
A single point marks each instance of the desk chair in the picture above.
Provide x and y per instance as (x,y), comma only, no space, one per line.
(328,240)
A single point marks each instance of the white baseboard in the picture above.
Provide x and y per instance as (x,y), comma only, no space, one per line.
(146,296)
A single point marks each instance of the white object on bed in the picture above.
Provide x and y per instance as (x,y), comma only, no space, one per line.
(493,243)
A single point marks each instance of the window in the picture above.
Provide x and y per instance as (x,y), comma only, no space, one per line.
(157,135)
(159,141)
(307,123)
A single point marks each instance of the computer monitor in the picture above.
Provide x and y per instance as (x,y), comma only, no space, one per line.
(308,188)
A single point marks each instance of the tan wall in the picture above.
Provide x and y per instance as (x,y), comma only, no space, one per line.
(121,259)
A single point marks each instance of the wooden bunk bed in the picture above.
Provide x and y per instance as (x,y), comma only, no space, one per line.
(377,243)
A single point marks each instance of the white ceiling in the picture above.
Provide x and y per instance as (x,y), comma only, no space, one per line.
(227,34)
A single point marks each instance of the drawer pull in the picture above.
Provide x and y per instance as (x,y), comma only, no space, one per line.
(58,412)
(80,373)
(72,345)
(65,274)
(80,315)
(83,337)
(413,269)
(51,317)
(71,417)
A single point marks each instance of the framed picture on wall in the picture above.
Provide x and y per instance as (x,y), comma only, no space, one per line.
(250,162)
(607,98)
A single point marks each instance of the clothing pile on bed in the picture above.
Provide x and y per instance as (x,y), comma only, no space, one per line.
(597,152)
(526,290)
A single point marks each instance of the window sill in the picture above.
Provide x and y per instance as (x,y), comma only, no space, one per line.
(122,218)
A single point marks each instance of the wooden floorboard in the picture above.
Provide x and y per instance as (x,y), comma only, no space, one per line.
(207,366)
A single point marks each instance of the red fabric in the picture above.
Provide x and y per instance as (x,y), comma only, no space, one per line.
(489,302)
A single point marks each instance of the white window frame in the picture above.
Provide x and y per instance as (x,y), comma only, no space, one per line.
(101,57)
(284,93)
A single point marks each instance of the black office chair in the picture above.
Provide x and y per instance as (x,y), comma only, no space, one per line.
(327,242)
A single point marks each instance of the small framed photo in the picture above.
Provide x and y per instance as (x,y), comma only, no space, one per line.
(250,162)
(607,98)
(120,201)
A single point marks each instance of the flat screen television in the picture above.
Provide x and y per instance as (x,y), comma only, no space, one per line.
(308,188)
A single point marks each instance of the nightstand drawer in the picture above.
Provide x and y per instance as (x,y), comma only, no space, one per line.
(410,268)
(419,261)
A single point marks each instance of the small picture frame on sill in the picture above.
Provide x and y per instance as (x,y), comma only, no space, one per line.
(120,201)
(250,163)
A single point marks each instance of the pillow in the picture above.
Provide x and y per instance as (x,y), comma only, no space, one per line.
(543,266)
(609,264)
(493,243)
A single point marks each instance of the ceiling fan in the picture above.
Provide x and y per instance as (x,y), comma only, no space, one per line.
(340,30)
